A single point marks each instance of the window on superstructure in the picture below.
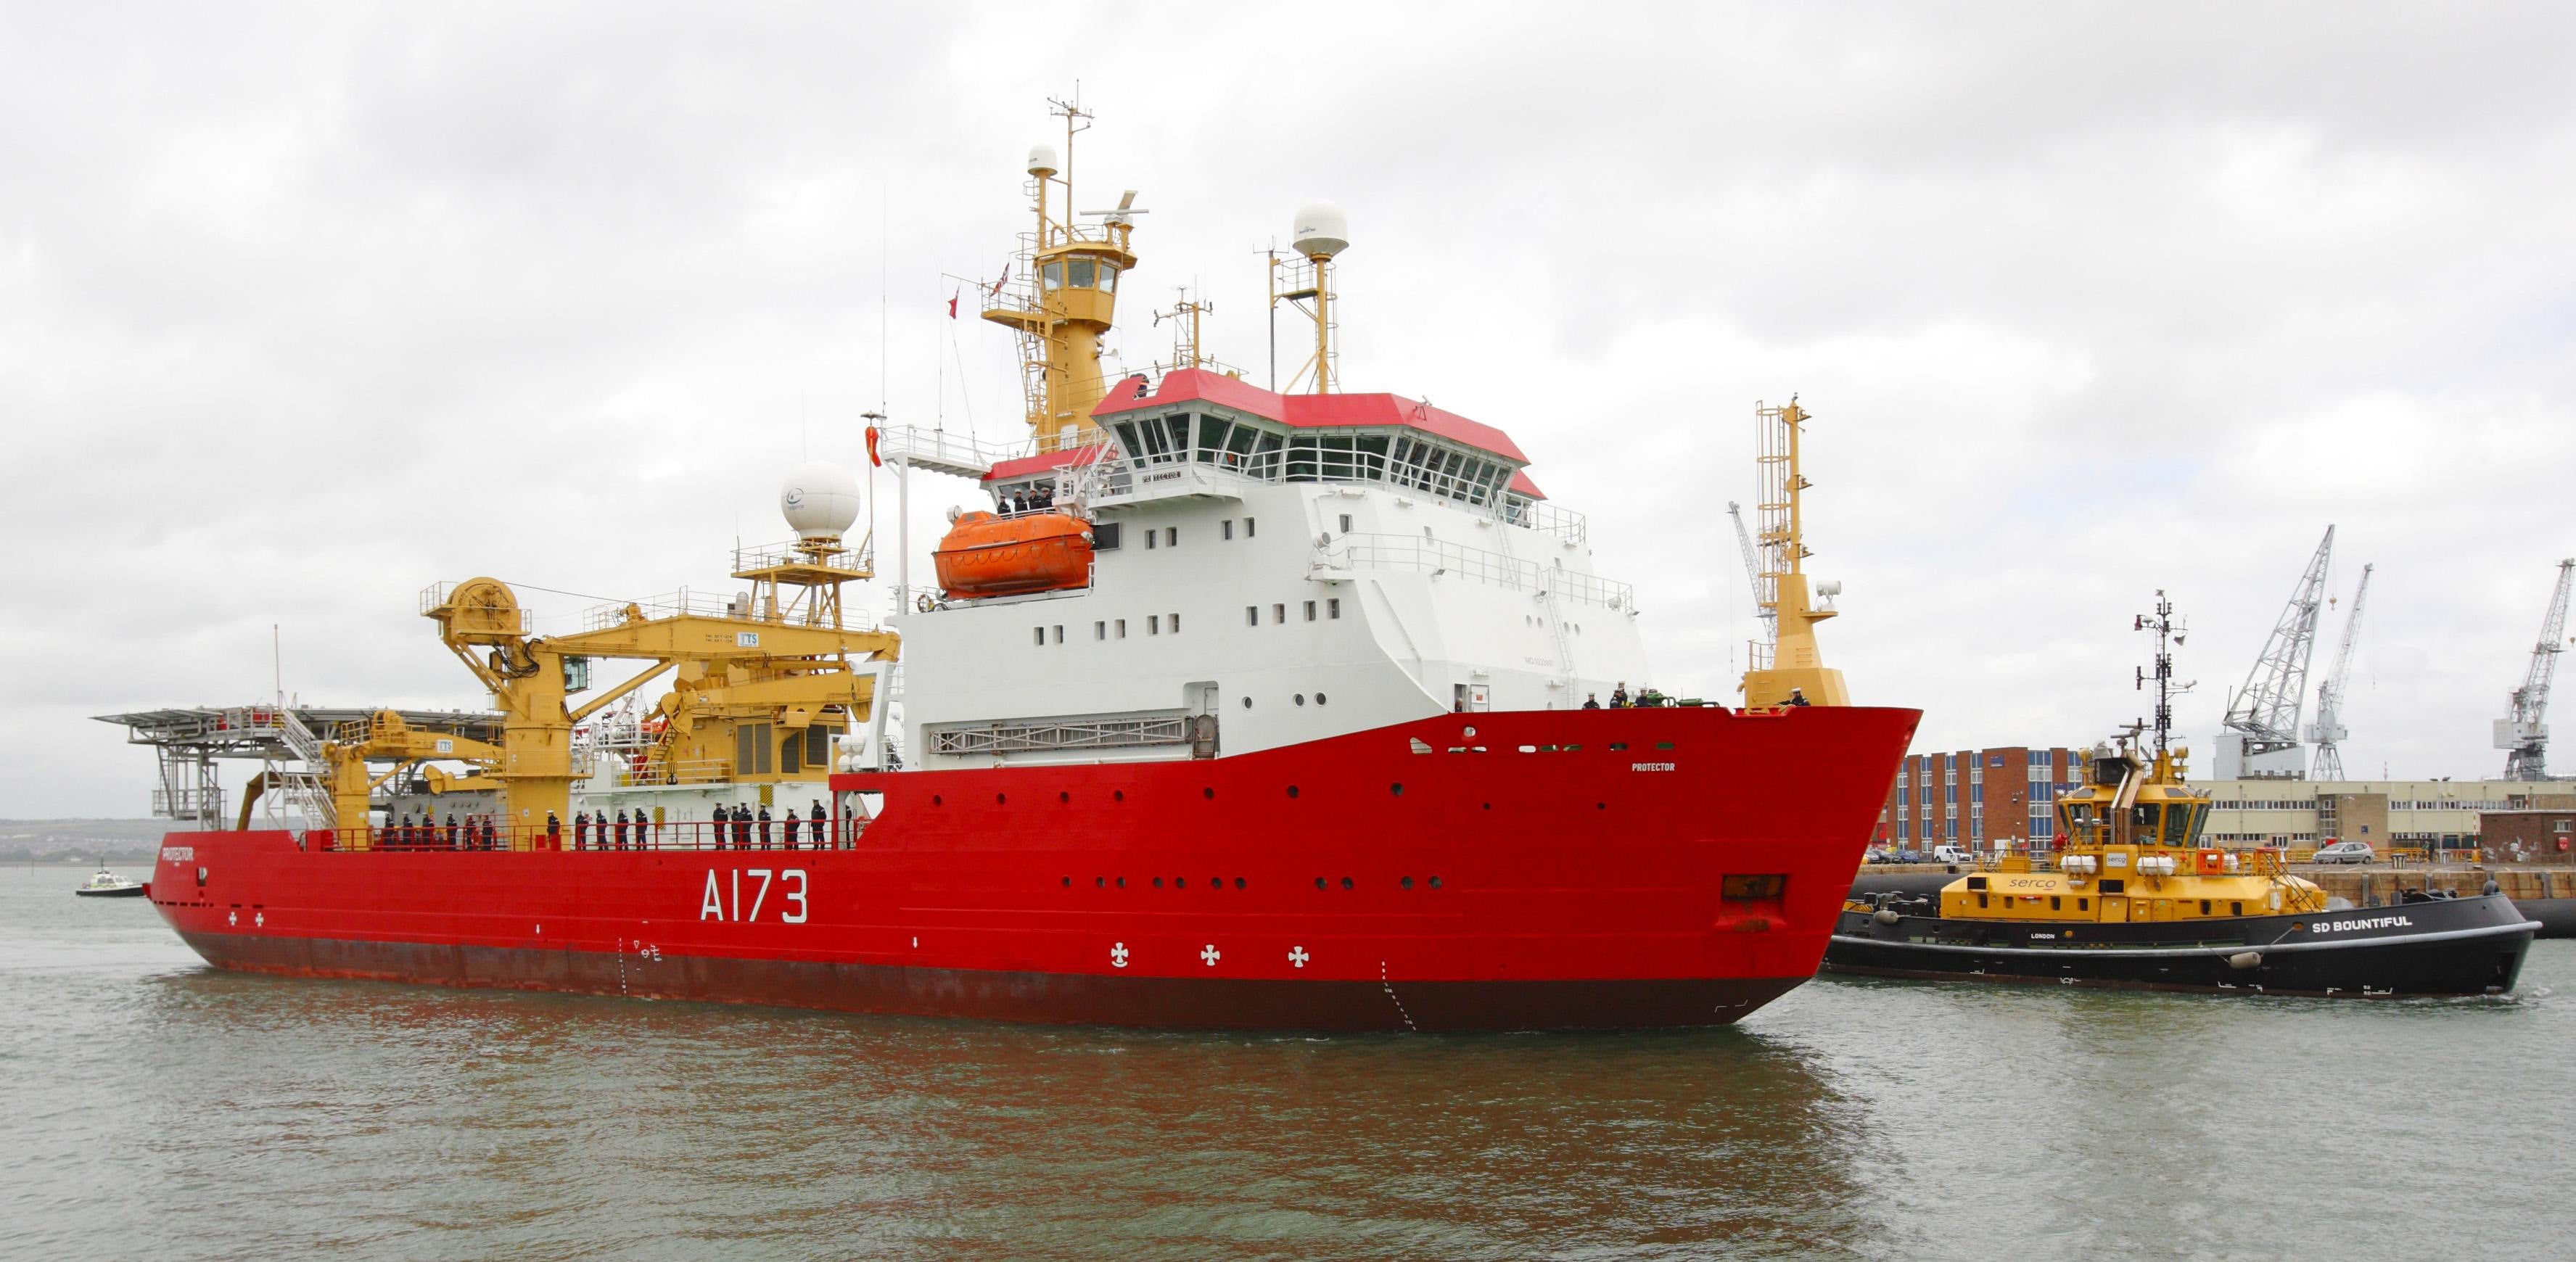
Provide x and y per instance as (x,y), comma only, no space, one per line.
(1252,615)
(1212,431)
(1040,634)
(1278,614)
(1171,536)
(1054,277)
(1310,611)
(1368,455)
(1122,628)
(1226,529)
(1100,630)
(1059,633)
(1085,273)
(1153,624)
(1109,277)
(1332,607)
(1176,623)
(1247,527)
(1346,523)
(1239,445)
(1149,539)
(1177,436)
(1302,463)
(1265,456)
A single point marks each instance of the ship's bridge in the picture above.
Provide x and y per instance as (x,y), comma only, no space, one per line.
(1204,434)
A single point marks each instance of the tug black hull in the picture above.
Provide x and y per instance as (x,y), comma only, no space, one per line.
(2442,946)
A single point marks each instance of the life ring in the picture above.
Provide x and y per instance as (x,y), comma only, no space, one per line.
(924,603)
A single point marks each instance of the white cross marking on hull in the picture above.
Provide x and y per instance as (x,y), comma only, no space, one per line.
(1211,955)
(1118,955)
(1297,956)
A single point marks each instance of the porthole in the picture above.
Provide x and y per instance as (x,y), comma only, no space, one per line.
(934,799)
(1319,882)
(1292,790)
(1247,703)
(1396,789)
(1600,806)
(1180,882)
(1319,698)
(1098,882)
(1301,698)
(1122,882)
(1435,882)
(1489,806)
(1158,882)
(1117,795)
(1238,882)
(1346,882)
(1216,883)
(1064,797)
(1000,798)
(1209,794)
(1068,882)
(1406,883)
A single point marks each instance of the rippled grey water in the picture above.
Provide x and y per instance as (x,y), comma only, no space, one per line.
(151,1107)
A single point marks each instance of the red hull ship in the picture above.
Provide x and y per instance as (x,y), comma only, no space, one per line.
(1236,709)
(1350,885)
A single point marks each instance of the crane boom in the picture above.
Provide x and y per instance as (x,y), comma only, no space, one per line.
(2328,731)
(2265,712)
(1753,574)
(2523,733)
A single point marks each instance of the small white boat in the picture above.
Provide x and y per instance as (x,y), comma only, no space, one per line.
(107,884)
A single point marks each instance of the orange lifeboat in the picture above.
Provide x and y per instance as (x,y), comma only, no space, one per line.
(985,555)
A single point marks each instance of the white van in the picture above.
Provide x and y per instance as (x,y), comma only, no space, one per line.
(1946,853)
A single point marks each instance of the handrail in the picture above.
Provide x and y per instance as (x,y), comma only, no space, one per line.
(1365,550)
(601,837)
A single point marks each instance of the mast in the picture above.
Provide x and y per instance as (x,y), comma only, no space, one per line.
(1061,295)
(1319,234)
(2169,632)
(1792,663)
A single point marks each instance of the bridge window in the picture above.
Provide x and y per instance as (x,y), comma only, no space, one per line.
(1085,272)
(1109,278)
(1054,277)
(1212,431)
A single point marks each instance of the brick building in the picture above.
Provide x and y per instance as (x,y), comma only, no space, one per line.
(1977,798)
(2535,834)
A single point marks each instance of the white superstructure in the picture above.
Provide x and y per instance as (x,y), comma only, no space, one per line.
(1268,569)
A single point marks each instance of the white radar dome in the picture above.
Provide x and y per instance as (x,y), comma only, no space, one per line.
(1321,231)
(820,500)
(1042,160)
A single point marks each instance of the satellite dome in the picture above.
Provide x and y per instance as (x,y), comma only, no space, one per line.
(1042,160)
(1321,230)
(820,500)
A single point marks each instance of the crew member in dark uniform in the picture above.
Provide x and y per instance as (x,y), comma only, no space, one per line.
(741,826)
(491,834)
(1619,696)
(793,823)
(1592,701)
(764,828)
(554,831)
(818,826)
(1798,696)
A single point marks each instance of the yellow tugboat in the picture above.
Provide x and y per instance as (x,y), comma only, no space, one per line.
(2133,899)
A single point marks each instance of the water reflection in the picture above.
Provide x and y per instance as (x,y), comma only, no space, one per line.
(606,1123)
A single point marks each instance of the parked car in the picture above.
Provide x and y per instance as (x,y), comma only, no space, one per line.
(2345,852)
(1909,856)
(1952,854)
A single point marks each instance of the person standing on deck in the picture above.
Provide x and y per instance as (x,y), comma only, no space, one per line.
(764,828)
(554,830)
(451,830)
(818,826)
(792,825)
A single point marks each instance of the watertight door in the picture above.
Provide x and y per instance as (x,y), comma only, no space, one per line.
(2115,908)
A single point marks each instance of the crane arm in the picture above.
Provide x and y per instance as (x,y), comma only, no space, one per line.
(1752,564)
(2266,710)
(2330,693)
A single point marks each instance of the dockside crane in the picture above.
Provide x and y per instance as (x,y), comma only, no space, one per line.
(2263,716)
(2521,733)
(2328,731)
(1753,574)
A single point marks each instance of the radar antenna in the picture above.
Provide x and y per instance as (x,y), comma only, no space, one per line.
(2264,714)
(2328,731)
(2522,732)
(2169,632)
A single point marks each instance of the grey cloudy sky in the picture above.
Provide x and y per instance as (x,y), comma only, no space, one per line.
(304,308)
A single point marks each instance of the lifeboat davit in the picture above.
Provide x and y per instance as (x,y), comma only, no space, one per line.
(985,555)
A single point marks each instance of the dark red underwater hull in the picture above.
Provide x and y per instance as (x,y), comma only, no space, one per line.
(1551,870)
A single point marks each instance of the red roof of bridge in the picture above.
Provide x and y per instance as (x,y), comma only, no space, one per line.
(1310,411)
